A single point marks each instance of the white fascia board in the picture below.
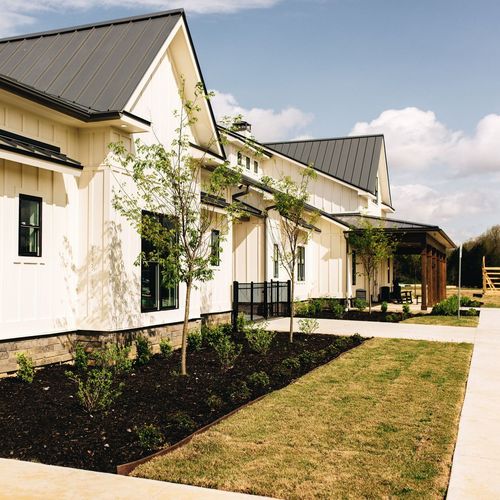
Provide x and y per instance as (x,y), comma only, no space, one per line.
(36,162)
(334,222)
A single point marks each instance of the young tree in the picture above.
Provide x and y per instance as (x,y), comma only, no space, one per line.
(296,220)
(165,206)
(372,245)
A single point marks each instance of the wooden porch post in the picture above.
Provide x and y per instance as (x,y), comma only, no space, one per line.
(423,262)
(435,280)
(443,276)
(430,291)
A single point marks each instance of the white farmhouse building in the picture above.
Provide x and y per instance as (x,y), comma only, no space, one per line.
(67,258)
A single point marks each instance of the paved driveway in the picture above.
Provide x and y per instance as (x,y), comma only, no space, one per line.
(385,330)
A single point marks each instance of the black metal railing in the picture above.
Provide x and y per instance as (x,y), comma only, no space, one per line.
(261,300)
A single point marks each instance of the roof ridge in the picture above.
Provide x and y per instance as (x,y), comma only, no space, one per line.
(87,26)
(325,139)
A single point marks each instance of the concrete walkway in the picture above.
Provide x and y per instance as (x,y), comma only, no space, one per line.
(26,480)
(384,330)
(475,472)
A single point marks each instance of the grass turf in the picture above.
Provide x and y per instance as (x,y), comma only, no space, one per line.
(380,421)
(470,321)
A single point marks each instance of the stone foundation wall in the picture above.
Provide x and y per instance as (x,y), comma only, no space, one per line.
(212,319)
(58,348)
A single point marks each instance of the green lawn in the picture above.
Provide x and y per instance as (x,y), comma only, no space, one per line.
(471,321)
(380,421)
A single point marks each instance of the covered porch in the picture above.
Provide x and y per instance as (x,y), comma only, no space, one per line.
(431,243)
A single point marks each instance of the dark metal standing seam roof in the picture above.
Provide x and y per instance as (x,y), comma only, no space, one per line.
(96,67)
(36,149)
(353,160)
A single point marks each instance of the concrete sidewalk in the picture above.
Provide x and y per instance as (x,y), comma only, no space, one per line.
(26,480)
(384,330)
(475,472)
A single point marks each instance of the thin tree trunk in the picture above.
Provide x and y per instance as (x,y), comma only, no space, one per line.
(185,329)
(292,312)
(369,295)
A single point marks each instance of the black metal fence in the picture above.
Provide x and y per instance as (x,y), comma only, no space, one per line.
(261,300)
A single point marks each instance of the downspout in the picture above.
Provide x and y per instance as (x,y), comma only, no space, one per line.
(346,269)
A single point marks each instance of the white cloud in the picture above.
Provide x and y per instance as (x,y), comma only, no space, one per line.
(417,140)
(14,15)
(267,124)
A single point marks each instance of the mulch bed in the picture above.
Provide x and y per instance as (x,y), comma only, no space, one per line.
(44,422)
(356,315)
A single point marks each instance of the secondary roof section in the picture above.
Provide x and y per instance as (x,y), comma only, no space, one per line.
(354,160)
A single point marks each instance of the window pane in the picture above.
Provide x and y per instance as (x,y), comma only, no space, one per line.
(215,250)
(276,261)
(247,159)
(148,286)
(256,166)
(28,240)
(168,296)
(30,212)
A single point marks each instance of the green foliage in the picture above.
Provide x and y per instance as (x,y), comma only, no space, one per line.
(372,246)
(112,357)
(360,304)
(195,340)
(227,352)
(392,318)
(182,422)
(307,359)
(449,306)
(259,339)
(166,348)
(356,339)
(214,402)
(406,310)
(81,358)
(241,323)
(301,308)
(144,350)
(337,309)
(239,392)
(315,307)
(384,306)
(150,437)
(96,388)
(291,363)
(308,325)
(258,381)
(26,370)
(211,335)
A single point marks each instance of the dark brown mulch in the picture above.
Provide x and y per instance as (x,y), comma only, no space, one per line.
(356,315)
(44,422)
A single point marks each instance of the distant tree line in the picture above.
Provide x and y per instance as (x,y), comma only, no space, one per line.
(488,245)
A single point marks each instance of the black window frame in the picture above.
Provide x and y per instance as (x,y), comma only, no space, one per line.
(255,167)
(147,266)
(215,248)
(20,251)
(276,263)
(240,159)
(301,263)
(247,163)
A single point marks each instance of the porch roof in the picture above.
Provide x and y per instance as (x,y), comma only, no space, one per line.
(31,152)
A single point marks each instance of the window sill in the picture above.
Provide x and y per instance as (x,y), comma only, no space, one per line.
(40,261)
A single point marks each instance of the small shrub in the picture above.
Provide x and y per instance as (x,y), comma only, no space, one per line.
(194,340)
(332,350)
(307,359)
(211,335)
(81,358)
(227,352)
(308,325)
(301,308)
(406,310)
(449,306)
(144,351)
(315,307)
(292,363)
(259,339)
(182,422)
(239,392)
(383,307)
(356,339)
(241,323)
(26,370)
(392,318)
(337,309)
(214,402)
(112,357)
(360,304)
(258,381)
(96,389)
(150,437)
(166,348)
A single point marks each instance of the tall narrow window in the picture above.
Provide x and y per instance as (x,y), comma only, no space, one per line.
(256,167)
(215,247)
(301,263)
(240,159)
(247,160)
(156,293)
(30,226)
(353,257)
(388,270)
(276,261)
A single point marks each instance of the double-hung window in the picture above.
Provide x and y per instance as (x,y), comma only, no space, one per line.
(301,263)
(276,262)
(255,167)
(215,247)
(30,226)
(156,293)
(247,162)
(354,268)
(240,159)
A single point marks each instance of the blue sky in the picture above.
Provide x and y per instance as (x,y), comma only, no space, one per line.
(425,73)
